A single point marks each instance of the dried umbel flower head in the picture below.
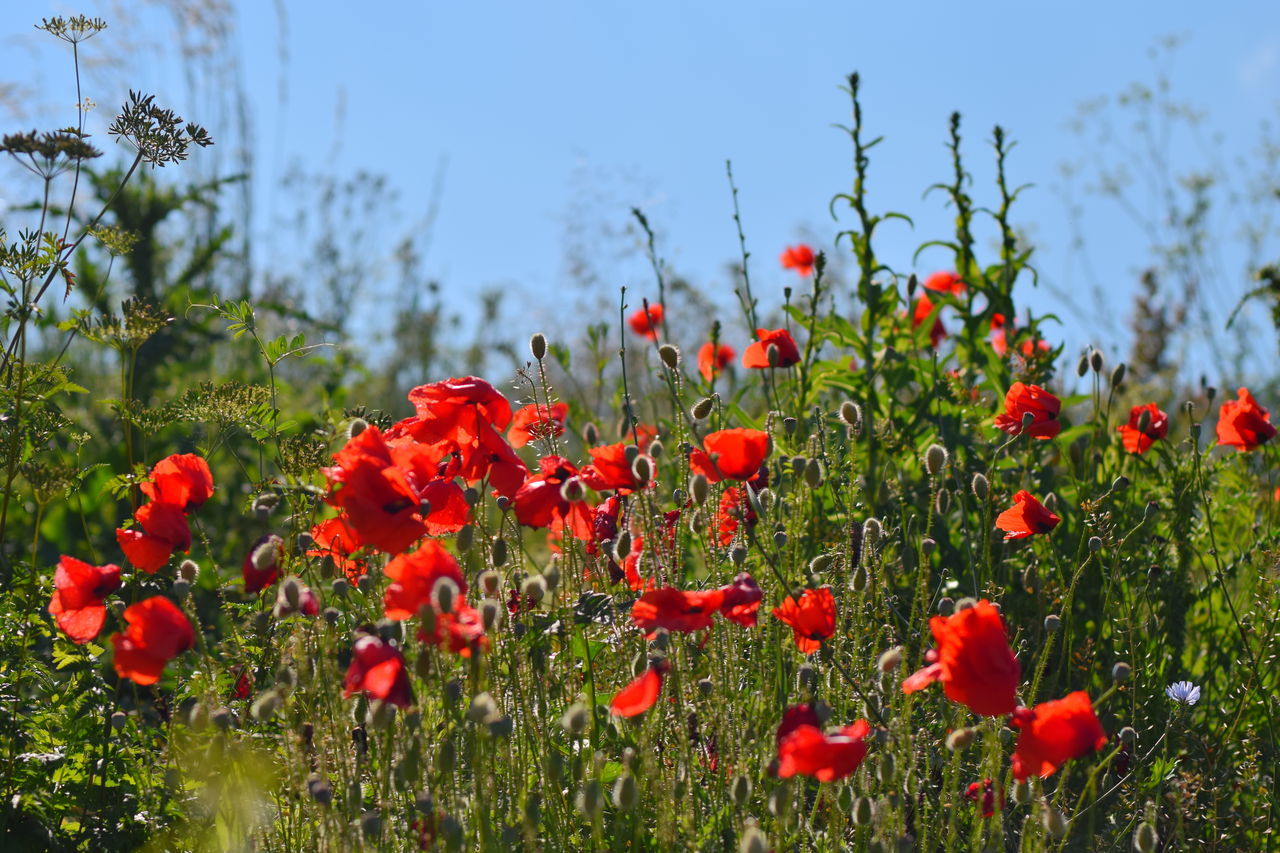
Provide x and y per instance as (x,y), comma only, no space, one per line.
(159,134)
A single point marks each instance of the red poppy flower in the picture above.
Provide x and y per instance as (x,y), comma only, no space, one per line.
(375,495)
(1023,399)
(1026,517)
(78,593)
(799,258)
(414,577)
(1243,424)
(335,539)
(161,529)
(639,696)
(261,572)
(609,469)
(757,354)
(537,421)
(807,751)
(676,609)
(985,792)
(712,359)
(157,632)
(734,453)
(973,661)
(378,671)
(540,502)
(1052,733)
(1138,440)
(795,717)
(741,600)
(945,281)
(645,323)
(924,307)
(183,480)
(461,630)
(733,509)
(812,618)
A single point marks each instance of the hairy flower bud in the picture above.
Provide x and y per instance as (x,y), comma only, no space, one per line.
(1095,361)
(498,553)
(538,346)
(1082,366)
(890,659)
(1054,821)
(188,570)
(625,793)
(851,414)
(642,468)
(981,488)
(357,426)
(1145,839)
(753,840)
(699,488)
(935,459)
(702,409)
(1117,375)
(534,589)
(670,356)
(444,594)
(268,553)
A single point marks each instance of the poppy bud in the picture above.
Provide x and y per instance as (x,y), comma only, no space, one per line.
(622,545)
(1095,361)
(780,539)
(821,563)
(551,574)
(888,769)
(1095,543)
(491,582)
(753,841)
(814,474)
(576,719)
(119,720)
(263,504)
(483,708)
(265,706)
(706,686)
(670,356)
(738,555)
(1117,375)
(960,739)
(501,726)
(699,488)
(773,355)
(935,459)
(858,580)
(188,570)
(590,800)
(844,799)
(851,414)
(1145,839)
(498,553)
(981,488)
(357,426)
(572,490)
(740,790)
(1121,672)
(946,606)
(538,346)
(679,498)
(222,718)
(1082,366)
(331,615)
(1022,792)
(534,589)
(642,468)
(943,502)
(871,530)
(1028,418)
(789,425)
(779,801)
(702,409)
(1052,622)
(1150,511)
(266,555)
(631,453)
(1054,821)
(927,546)
(503,503)
(863,811)
(965,604)
(444,594)
(291,591)
(1144,420)
(625,793)
(340,586)
(1127,734)
(180,588)
(890,659)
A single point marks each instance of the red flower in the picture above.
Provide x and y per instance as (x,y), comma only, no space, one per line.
(741,600)
(807,751)
(537,421)
(183,480)
(986,791)
(945,281)
(712,359)
(1042,406)
(157,632)
(812,618)
(1243,424)
(461,630)
(414,577)
(1138,440)
(376,496)
(733,509)
(645,323)
(795,717)
(757,354)
(378,671)
(1053,733)
(1026,517)
(335,539)
(973,661)
(261,565)
(540,502)
(78,591)
(799,258)
(609,469)
(639,696)
(734,453)
(676,609)
(924,307)
(161,529)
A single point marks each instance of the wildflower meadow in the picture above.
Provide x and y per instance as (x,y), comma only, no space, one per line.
(881,568)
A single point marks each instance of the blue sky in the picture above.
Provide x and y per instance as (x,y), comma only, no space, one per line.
(533,108)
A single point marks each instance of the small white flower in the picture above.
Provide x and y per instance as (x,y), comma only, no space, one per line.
(1183,692)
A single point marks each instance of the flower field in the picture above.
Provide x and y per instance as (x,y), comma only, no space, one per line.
(881,569)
